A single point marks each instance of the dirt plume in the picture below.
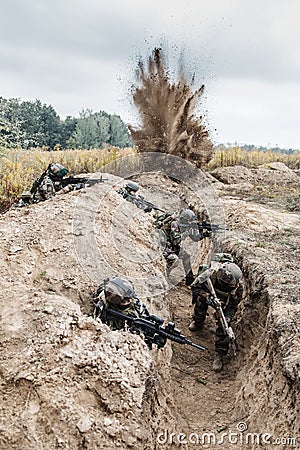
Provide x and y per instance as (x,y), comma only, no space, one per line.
(166,111)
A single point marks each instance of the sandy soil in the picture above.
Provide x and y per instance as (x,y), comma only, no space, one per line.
(68,382)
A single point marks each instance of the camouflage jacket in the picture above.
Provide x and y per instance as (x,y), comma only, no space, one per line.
(124,193)
(229,298)
(135,309)
(171,232)
(47,189)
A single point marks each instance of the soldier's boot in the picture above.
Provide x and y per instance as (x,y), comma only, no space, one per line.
(189,278)
(195,326)
(217,363)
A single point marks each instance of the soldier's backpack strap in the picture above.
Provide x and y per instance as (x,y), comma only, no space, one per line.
(164,219)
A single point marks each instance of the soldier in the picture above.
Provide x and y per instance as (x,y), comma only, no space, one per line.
(175,229)
(129,192)
(49,183)
(226,281)
(117,293)
(44,187)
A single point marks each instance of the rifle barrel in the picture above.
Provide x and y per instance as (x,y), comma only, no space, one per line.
(192,344)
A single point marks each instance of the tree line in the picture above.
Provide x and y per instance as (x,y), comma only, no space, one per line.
(260,148)
(32,124)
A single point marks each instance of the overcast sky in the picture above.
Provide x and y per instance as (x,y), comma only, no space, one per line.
(76,54)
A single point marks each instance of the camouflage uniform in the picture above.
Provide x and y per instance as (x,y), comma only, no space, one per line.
(171,237)
(229,298)
(135,309)
(129,193)
(47,189)
(49,183)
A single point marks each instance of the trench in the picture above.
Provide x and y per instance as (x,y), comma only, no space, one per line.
(251,402)
(255,396)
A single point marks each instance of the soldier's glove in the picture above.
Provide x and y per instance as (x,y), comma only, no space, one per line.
(172,257)
(206,233)
(148,209)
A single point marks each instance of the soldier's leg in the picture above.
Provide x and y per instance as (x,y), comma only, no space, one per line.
(222,343)
(200,311)
(172,261)
(221,348)
(186,261)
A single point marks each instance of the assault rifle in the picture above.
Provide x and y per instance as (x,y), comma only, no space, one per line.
(151,327)
(216,304)
(141,200)
(197,226)
(213,227)
(38,181)
(141,203)
(82,181)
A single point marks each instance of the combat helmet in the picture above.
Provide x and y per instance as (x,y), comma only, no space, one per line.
(186,216)
(132,186)
(57,170)
(118,291)
(229,273)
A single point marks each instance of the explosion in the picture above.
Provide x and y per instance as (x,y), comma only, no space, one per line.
(166,111)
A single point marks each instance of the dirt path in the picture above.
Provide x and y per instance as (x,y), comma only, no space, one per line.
(204,399)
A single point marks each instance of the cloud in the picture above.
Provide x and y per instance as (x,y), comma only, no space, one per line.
(83,53)
(269,120)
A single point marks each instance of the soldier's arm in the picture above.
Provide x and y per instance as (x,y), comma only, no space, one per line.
(141,308)
(234,302)
(200,293)
(175,234)
(197,235)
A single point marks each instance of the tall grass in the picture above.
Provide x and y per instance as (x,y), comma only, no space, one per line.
(233,156)
(18,168)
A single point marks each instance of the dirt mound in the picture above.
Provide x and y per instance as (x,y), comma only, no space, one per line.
(272,174)
(67,381)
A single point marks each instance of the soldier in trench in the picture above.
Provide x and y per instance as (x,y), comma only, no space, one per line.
(118,294)
(227,284)
(174,229)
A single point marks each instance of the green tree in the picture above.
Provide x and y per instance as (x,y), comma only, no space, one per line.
(11,132)
(67,129)
(119,134)
(95,129)
(85,135)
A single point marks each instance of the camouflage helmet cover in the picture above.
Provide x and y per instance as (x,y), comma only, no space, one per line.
(187,216)
(132,186)
(118,291)
(229,273)
(57,170)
